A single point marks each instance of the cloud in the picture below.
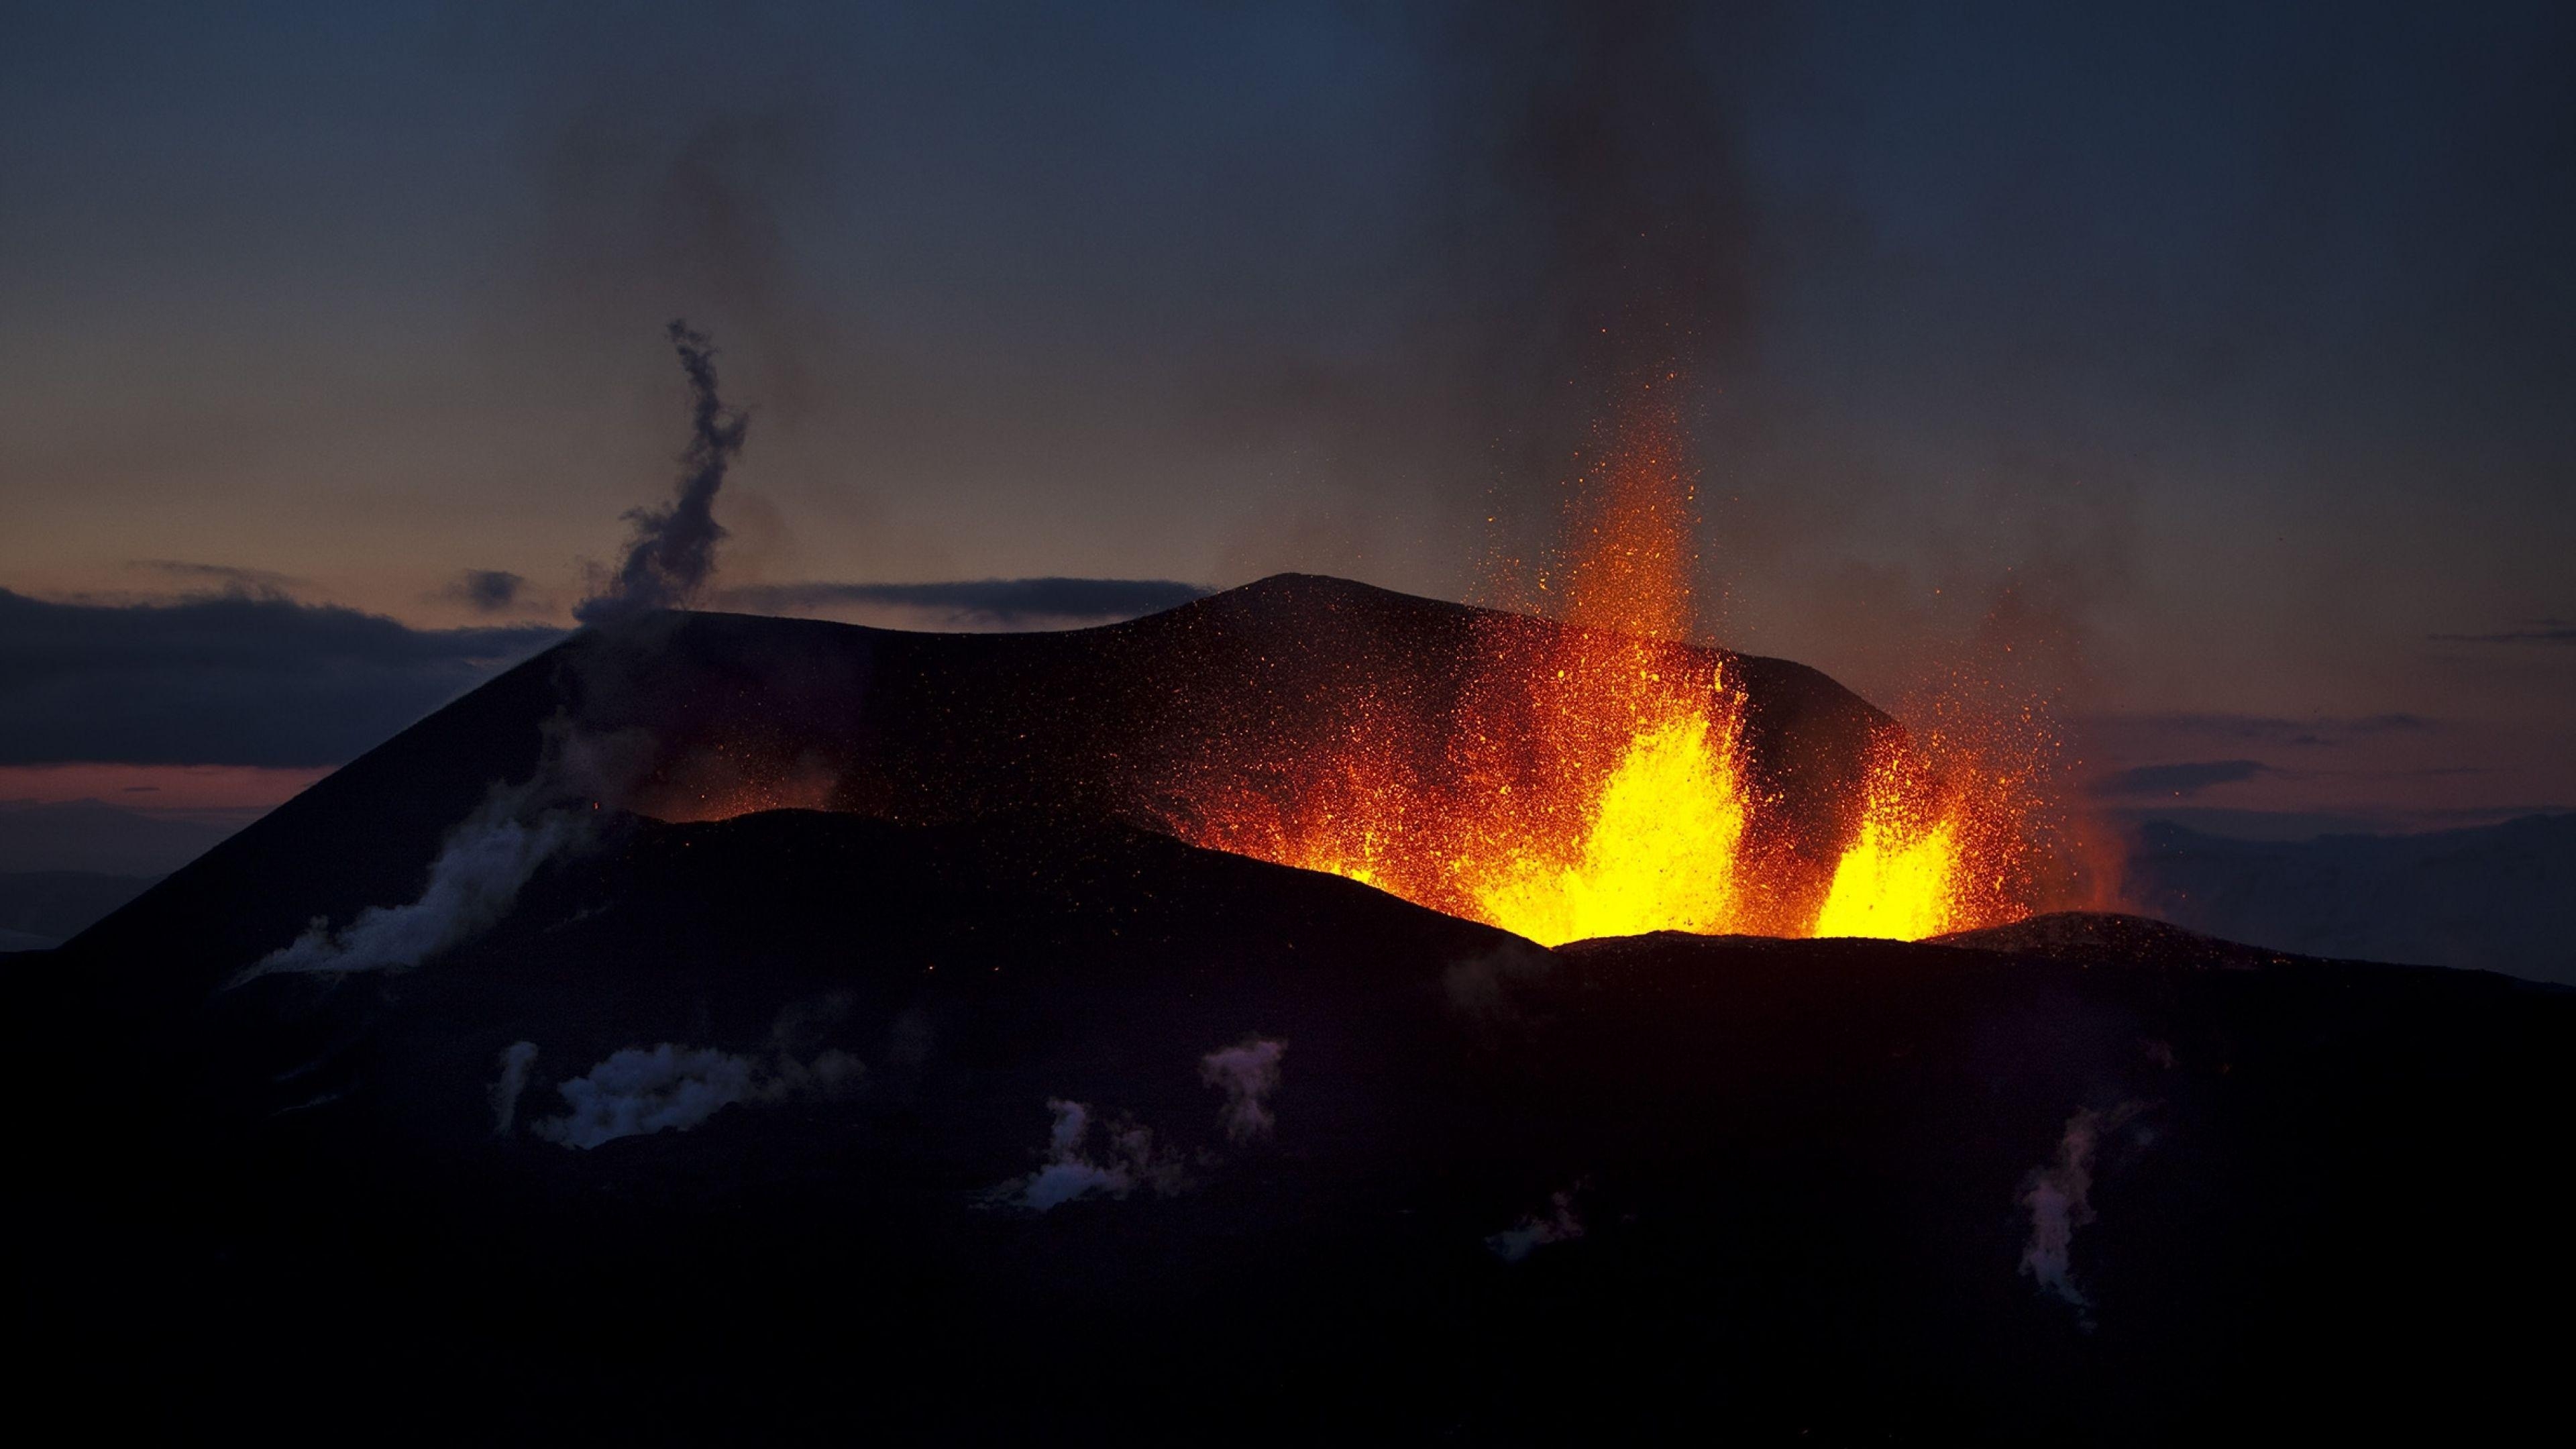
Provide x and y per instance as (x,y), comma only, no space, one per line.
(234,679)
(1247,1074)
(2537,631)
(674,549)
(978,603)
(2277,729)
(1070,1171)
(1536,1231)
(487,591)
(516,1059)
(226,577)
(2178,780)
(472,884)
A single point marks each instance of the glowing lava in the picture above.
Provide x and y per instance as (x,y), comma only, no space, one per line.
(1901,878)
(1656,845)
(1591,778)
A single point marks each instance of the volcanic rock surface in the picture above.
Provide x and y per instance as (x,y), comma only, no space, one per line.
(757,1128)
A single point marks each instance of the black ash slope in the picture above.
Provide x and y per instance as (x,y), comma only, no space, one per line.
(1798,1172)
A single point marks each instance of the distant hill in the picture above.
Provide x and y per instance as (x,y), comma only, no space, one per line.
(2495,898)
(100,839)
(42,908)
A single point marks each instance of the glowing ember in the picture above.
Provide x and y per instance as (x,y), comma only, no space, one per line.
(723,781)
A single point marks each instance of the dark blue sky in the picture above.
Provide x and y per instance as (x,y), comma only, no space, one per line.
(2238,340)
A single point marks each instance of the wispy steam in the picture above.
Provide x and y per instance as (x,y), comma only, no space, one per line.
(1129,1162)
(674,549)
(1557,1225)
(673,1088)
(1247,1074)
(484,862)
(516,1058)
(1481,988)
(472,884)
(2059,1198)
(648,1089)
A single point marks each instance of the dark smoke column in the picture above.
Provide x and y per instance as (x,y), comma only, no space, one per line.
(675,547)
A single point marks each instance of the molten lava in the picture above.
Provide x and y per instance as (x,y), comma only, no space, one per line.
(1588,786)
(1668,809)
(1592,779)
(1901,878)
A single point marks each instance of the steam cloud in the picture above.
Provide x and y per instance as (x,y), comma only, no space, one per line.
(472,884)
(2059,1198)
(1071,1172)
(1560,1225)
(516,1058)
(674,549)
(665,1087)
(1247,1074)
(481,866)
(647,1089)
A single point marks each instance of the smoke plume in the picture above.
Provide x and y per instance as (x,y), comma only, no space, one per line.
(516,1058)
(1247,1074)
(674,550)
(472,884)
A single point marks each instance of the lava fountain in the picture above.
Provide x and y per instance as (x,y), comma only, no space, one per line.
(1591,778)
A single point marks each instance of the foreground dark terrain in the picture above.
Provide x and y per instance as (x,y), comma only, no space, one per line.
(1342,1167)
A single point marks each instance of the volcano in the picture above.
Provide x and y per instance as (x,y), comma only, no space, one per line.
(877,1048)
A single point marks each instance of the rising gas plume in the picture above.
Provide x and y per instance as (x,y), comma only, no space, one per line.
(674,549)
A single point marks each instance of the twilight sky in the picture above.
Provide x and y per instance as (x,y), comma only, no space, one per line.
(2238,342)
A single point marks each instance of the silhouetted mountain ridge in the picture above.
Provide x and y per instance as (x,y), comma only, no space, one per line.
(2497,897)
(1116,721)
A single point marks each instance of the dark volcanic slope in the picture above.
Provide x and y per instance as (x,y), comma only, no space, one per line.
(975,1110)
(1796,1176)
(690,715)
